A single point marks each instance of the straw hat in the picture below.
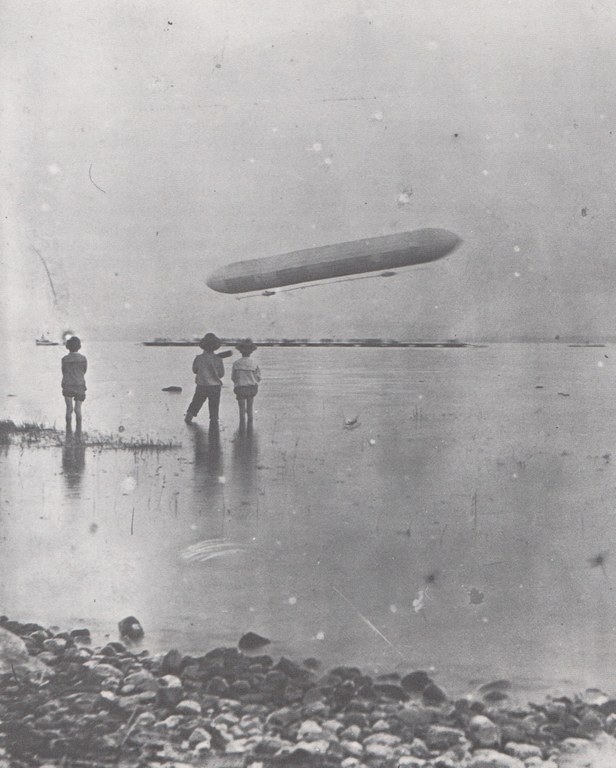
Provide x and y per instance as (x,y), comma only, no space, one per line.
(210,342)
(246,345)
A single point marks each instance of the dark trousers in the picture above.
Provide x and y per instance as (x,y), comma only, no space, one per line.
(202,393)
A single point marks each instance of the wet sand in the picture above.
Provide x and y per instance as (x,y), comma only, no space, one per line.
(453,529)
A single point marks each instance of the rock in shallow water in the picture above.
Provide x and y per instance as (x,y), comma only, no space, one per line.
(415,682)
(171,663)
(251,642)
(432,695)
(131,628)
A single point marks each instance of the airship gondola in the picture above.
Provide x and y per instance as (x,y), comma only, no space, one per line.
(376,254)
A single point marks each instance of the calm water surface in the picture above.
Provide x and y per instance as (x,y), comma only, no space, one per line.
(451,529)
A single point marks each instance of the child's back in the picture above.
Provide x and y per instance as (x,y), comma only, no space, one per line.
(245,372)
(74,367)
(246,376)
(208,369)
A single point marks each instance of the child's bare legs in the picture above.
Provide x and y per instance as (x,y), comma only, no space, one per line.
(242,406)
(249,410)
(69,413)
(70,406)
(78,416)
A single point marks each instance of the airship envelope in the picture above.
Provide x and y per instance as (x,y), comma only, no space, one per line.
(331,261)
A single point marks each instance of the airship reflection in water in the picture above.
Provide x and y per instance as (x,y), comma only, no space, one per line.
(376,254)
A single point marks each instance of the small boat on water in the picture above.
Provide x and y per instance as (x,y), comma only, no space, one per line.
(45,342)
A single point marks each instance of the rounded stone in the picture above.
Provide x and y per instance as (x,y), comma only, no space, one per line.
(309,730)
(443,737)
(415,682)
(522,751)
(55,644)
(217,686)
(171,663)
(145,720)
(352,748)
(251,641)
(201,748)
(490,758)
(379,751)
(380,725)
(484,732)
(432,695)
(172,722)
(239,688)
(389,739)
(352,733)
(188,707)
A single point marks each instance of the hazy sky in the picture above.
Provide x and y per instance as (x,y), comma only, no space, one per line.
(146,143)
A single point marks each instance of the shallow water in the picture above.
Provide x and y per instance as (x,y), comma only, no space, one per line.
(452,528)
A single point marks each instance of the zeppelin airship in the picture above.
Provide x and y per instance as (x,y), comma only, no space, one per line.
(376,254)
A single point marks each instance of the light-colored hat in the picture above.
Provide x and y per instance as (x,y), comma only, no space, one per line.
(246,345)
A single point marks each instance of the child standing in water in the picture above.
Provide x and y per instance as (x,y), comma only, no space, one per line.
(74,367)
(209,370)
(246,376)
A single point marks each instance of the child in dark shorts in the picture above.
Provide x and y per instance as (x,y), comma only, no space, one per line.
(246,376)
(209,370)
(74,367)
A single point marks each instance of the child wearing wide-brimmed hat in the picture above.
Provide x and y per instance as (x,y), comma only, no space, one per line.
(209,370)
(74,367)
(246,375)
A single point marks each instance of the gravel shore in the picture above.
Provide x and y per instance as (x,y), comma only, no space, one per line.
(65,703)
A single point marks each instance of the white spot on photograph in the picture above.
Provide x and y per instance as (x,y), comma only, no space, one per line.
(128,485)
(404,197)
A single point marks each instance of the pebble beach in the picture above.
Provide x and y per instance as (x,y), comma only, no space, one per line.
(66,703)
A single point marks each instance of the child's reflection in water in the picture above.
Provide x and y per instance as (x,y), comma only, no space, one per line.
(73,465)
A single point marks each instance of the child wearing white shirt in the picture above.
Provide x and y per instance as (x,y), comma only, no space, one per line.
(246,376)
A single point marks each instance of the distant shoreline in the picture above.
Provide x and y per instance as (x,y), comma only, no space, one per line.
(319,343)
